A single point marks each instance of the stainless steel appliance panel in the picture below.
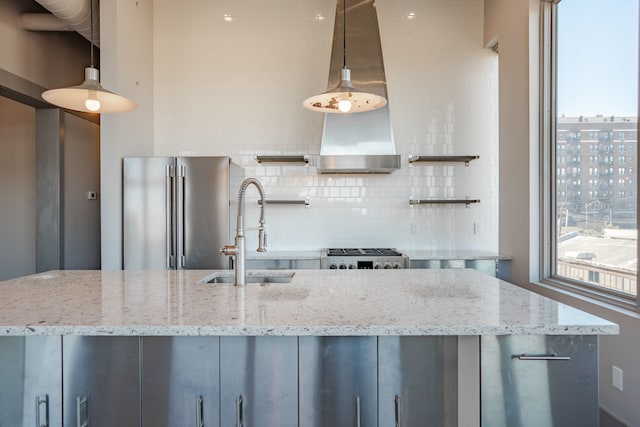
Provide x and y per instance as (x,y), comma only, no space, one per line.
(180,381)
(203,215)
(259,381)
(338,381)
(31,381)
(417,381)
(177,211)
(101,381)
(532,381)
(148,221)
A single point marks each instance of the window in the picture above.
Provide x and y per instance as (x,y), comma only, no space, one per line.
(595,83)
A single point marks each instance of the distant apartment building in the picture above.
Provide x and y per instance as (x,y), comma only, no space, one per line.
(596,165)
(596,200)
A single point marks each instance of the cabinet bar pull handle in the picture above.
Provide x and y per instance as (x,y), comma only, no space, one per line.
(170,215)
(199,411)
(540,357)
(397,401)
(80,401)
(357,410)
(40,402)
(182,177)
(239,415)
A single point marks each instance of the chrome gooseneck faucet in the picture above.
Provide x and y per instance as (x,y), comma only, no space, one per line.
(238,250)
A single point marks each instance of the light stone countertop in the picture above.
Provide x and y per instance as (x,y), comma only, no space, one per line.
(316,302)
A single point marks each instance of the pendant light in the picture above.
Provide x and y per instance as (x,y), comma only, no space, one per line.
(90,96)
(344,98)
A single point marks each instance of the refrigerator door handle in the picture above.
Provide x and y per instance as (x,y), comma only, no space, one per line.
(181,215)
(170,176)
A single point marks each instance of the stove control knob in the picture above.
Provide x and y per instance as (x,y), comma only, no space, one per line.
(387,265)
(343,266)
(333,266)
(352,266)
(377,266)
(397,265)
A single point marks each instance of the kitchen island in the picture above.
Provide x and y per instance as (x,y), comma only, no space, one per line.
(327,348)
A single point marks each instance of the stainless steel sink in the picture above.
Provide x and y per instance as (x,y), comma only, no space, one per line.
(257,276)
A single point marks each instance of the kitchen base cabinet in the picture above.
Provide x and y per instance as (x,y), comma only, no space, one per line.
(259,381)
(418,381)
(180,379)
(30,381)
(101,381)
(532,381)
(338,381)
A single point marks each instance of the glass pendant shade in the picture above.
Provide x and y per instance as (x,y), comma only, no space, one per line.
(89,97)
(344,98)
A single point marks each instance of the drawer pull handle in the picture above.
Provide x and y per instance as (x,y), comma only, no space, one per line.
(541,357)
(39,402)
(239,414)
(199,411)
(82,401)
(398,415)
(357,410)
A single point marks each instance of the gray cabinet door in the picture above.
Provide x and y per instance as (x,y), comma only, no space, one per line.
(526,381)
(259,381)
(180,381)
(30,381)
(418,381)
(101,381)
(338,381)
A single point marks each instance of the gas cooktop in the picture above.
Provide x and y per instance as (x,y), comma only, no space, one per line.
(362,252)
(362,258)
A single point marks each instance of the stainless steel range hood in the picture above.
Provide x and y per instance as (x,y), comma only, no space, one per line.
(361,142)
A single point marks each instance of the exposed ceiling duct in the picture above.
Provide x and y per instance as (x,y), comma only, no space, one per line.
(73,15)
(363,142)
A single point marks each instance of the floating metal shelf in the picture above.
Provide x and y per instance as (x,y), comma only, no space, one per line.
(443,159)
(304,202)
(466,202)
(303,158)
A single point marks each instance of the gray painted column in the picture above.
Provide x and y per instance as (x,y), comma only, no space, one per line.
(49,185)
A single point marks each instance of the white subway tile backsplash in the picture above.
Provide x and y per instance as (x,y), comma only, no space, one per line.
(237,90)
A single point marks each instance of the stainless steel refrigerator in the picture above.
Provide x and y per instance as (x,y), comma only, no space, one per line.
(177,211)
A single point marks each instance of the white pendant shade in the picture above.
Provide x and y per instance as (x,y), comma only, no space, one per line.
(89,97)
(344,98)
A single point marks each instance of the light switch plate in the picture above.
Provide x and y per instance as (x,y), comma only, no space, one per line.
(617,379)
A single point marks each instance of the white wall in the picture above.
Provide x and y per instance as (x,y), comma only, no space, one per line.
(126,50)
(442,94)
(515,25)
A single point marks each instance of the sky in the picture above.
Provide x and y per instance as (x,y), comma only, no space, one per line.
(598,57)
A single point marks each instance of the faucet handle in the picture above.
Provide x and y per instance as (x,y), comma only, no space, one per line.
(262,240)
(229,250)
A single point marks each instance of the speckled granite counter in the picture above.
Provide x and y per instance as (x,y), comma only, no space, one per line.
(316,302)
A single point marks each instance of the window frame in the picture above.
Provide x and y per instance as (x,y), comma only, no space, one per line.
(549,174)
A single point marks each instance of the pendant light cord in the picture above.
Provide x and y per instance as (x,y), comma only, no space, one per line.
(344,33)
(91,9)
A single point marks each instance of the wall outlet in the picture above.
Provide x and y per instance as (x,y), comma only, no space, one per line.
(617,378)
(414,229)
(477,228)
(91,195)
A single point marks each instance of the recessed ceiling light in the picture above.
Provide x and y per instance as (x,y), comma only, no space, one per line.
(227,17)
(411,15)
(319,17)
